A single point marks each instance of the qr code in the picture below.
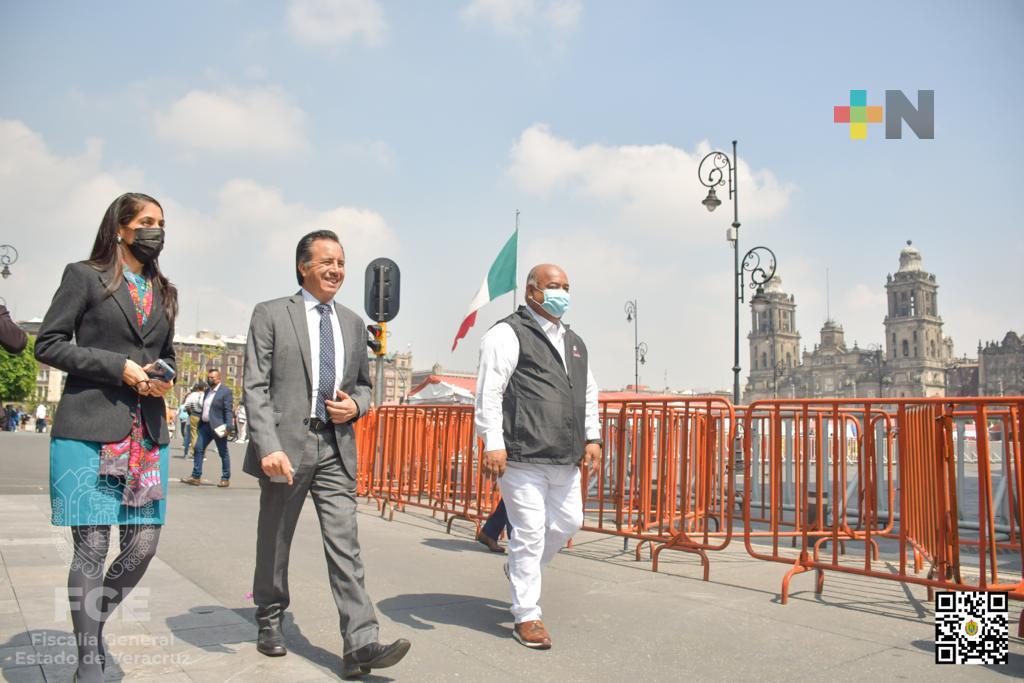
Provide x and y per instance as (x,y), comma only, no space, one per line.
(971,627)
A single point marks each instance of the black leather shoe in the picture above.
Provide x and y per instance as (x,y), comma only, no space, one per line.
(270,641)
(351,670)
(378,656)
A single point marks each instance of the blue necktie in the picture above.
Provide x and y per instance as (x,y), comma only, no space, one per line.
(326,389)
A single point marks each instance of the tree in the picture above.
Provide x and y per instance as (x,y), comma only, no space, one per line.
(18,373)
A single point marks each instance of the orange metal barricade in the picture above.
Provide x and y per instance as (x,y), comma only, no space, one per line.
(427,457)
(883,488)
(666,476)
(884,484)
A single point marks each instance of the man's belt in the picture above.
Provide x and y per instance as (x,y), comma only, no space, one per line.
(317,425)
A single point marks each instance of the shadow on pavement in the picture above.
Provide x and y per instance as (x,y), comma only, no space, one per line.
(469,611)
(299,645)
(455,545)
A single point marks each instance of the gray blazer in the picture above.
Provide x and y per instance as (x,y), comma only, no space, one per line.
(89,335)
(278,383)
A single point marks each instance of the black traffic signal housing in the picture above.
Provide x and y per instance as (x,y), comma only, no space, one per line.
(378,338)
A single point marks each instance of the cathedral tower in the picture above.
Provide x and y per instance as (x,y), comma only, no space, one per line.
(915,350)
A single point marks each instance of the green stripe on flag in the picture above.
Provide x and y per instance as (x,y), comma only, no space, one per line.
(501,278)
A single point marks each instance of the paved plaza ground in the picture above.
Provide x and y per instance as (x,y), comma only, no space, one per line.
(610,617)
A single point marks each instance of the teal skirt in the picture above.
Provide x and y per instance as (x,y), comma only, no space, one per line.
(79,496)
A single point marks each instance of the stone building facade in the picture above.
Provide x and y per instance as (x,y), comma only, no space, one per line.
(915,360)
(1001,367)
(397,375)
(774,341)
(195,355)
(916,352)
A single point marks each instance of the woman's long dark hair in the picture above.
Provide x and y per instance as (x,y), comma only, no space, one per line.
(106,257)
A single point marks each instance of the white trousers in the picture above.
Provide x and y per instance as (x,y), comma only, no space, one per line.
(545,509)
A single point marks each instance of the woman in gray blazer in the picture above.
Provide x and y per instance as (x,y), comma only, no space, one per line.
(110,327)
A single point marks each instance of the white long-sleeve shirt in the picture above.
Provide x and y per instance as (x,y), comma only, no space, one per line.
(313,325)
(499,356)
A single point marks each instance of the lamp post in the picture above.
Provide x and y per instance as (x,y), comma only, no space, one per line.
(760,263)
(717,170)
(8,255)
(639,348)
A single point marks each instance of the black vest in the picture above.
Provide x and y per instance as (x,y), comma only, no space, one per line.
(544,408)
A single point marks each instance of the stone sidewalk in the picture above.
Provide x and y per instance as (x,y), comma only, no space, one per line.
(177,632)
(611,618)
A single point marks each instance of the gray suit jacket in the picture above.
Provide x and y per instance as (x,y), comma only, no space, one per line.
(278,383)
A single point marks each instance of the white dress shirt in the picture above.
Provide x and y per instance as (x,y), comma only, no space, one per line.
(313,324)
(211,393)
(499,356)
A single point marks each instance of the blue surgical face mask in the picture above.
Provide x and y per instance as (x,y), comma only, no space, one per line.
(556,302)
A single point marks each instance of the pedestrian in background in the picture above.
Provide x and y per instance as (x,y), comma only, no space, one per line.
(492,528)
(110,327)
(240,420)
(41,418)
(172,422)
(194,407)
(215,424)
(183,424)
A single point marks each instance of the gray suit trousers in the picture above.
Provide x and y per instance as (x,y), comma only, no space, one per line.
(334,495)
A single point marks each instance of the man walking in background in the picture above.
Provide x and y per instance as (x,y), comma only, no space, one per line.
(194,407)
(241,420)
(215,423)
(41,418)
(536,410)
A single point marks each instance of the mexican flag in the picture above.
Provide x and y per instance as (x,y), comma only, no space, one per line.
(501,279)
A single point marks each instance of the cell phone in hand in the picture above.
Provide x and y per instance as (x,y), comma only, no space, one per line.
(161,370)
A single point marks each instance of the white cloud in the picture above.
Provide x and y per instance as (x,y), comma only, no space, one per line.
(523,16)
(654,186)
(224,259)
(235,120)
(329,22)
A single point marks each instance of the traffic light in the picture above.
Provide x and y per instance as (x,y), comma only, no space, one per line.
(378,338)
(383,282)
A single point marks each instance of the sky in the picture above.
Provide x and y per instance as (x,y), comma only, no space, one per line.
(416,130)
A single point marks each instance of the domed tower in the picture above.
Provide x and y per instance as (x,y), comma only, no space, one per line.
(915,349)
(774,342)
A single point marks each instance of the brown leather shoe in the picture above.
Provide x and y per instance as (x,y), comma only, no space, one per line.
(491,544)
(192,481)
(532,634)
(224,483)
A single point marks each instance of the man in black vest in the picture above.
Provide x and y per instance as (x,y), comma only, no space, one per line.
(536,410)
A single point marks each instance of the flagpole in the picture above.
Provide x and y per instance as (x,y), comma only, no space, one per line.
(515,287)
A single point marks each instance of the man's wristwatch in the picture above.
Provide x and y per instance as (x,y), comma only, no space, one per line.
(599,442)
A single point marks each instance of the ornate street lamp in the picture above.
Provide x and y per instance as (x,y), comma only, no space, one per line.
(8,255)
(639,348)
(716,169)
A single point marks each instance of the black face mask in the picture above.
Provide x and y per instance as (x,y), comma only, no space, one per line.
(210,383)
(148,244)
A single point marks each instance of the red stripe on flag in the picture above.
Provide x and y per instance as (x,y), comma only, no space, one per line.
(464,328)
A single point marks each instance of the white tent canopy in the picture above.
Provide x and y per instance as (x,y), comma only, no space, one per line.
(441,392)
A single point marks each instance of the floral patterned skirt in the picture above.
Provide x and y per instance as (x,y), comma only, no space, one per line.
(80,496)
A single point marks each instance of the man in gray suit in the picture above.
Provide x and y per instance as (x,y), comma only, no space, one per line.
(306,381)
